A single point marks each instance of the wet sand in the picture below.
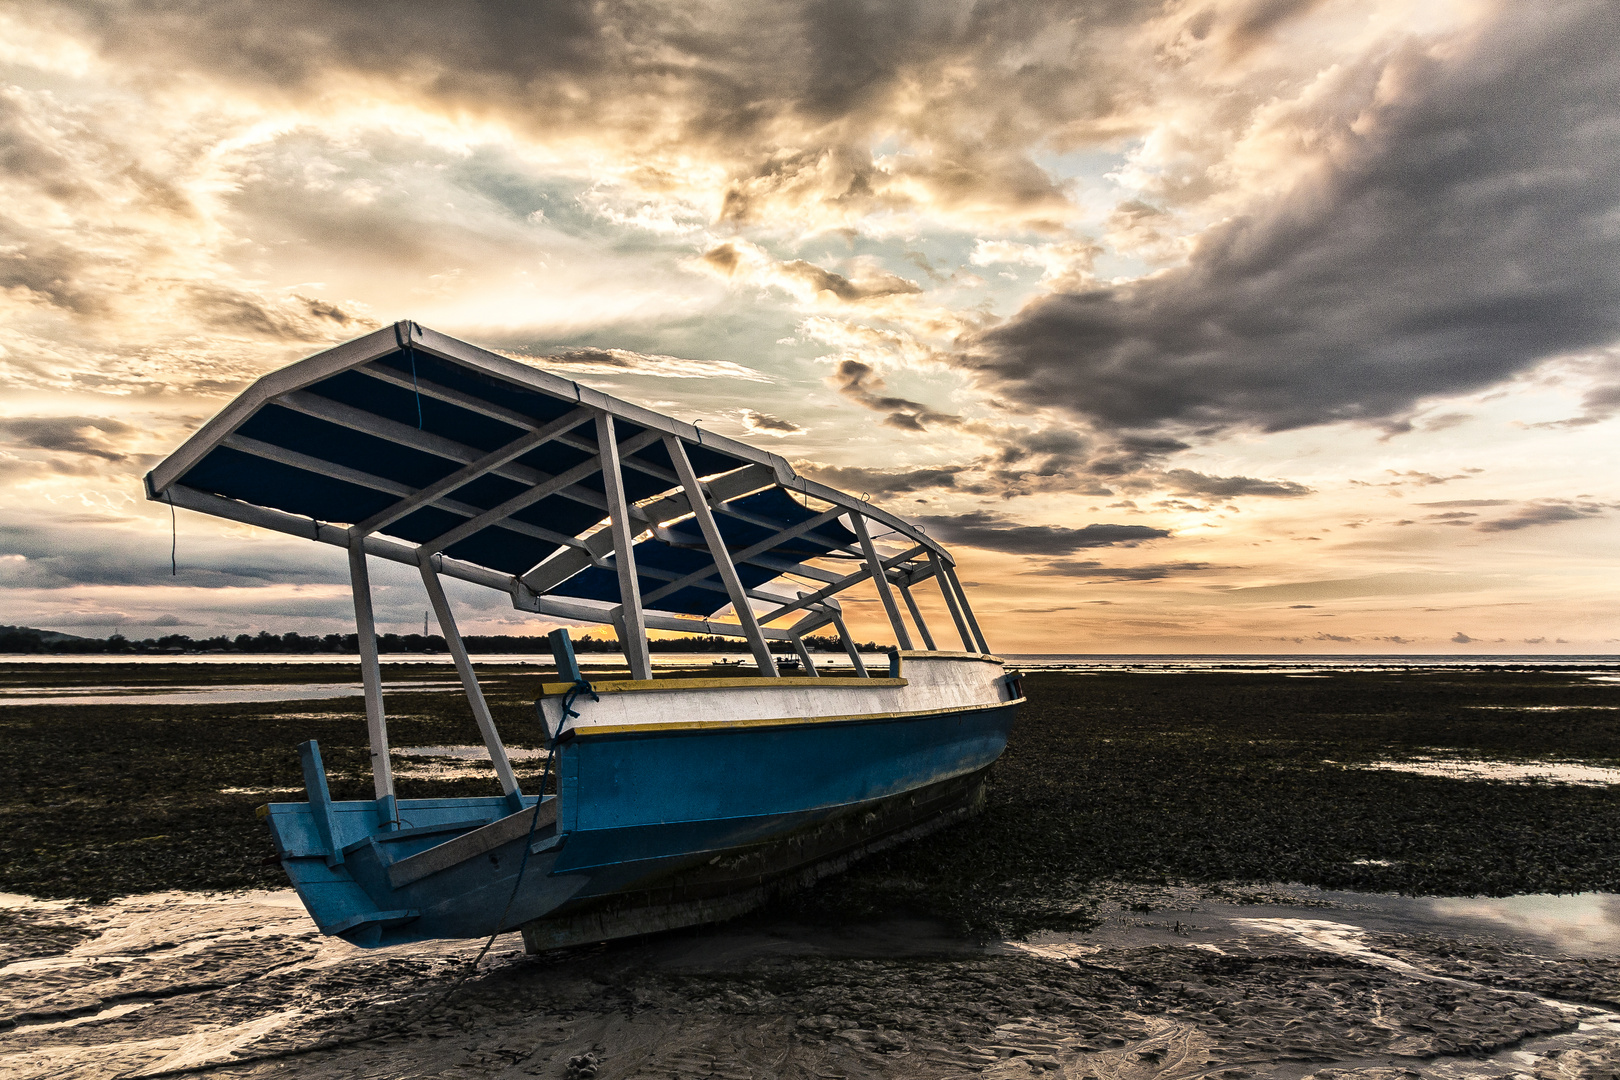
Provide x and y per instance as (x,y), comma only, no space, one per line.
(1105,917)
(1174,982)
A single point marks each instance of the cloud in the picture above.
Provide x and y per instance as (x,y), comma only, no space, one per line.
(1187,482)
(1542,513)
(857,478)
(96,436)
(758,423)
(1097,572)
(587,360)
(1453,233)
(994,532)
(861,383)
(1463,639)
(1395,584)
(1456,503)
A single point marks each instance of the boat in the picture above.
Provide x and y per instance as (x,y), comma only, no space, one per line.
(679,797)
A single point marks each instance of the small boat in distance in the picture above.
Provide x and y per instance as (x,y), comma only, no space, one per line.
(681,797)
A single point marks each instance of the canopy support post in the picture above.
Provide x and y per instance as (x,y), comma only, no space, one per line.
(916,617)
(382,772)
(850,650)
(804,656)
(632,624)
(881,579)
(469,684)
(699,501)
(967,612)
(950,603)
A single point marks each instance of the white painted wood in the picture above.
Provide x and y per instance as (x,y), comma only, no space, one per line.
(699,503)
(917,617)
(881,580)
(469,680)
(934,682)
(382,772)
(633,632)
(950,603)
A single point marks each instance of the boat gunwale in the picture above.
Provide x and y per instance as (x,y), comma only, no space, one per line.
(591,731)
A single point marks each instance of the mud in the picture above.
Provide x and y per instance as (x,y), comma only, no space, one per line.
(1289,984)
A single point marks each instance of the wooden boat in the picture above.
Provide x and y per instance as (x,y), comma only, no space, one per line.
(678,800)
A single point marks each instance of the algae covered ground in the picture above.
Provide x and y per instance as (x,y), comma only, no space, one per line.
(1148,778)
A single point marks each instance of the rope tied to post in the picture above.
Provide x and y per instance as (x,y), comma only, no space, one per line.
(582,685)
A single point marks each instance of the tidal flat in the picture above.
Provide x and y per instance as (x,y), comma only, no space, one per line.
(1175,875)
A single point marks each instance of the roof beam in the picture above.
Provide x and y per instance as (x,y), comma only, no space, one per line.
(371,424)
(473,470)
(563,565)
(747,554)
(551,486)
(478,405)
(297,460)
(838,586)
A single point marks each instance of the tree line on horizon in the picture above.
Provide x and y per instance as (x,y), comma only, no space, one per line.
(27,639)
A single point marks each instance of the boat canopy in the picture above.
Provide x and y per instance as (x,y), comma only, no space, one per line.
(415,447)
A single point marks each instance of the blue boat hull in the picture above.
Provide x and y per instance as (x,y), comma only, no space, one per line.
(650,829)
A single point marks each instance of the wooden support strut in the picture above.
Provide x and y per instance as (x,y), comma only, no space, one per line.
(701,511)
(469,684)
(850,650)
(881,580)
(967,612)
(382,773)
(630,624)
(950,603)
(916,617)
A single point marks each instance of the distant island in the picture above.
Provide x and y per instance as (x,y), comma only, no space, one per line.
(30,640)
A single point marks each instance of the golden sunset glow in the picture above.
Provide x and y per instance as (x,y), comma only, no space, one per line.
(1200,326)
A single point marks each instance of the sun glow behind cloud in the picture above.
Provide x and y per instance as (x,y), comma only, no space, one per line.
(1228,273)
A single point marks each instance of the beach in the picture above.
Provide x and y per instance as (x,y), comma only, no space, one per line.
(1191,873)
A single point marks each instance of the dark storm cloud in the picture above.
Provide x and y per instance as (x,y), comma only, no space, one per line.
(994,532)
(1461,232)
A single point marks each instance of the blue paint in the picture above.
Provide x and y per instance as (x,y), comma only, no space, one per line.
(632,807)
(320,799)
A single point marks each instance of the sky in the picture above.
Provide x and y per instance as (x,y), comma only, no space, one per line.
(1190,326)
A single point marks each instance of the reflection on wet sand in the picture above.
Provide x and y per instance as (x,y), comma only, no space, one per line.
(1176,982)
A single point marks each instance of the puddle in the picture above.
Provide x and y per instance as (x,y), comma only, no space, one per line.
(208,695)
(1523,772)
(1544,708)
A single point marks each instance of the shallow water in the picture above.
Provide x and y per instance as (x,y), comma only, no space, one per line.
(1558,772)
(208,695)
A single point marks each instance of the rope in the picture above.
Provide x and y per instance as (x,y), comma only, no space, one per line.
(418,1016)
(581,686)
(410,352)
